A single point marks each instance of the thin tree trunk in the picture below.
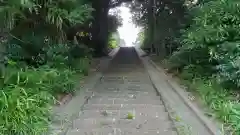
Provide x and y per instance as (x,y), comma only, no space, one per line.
(150,24)
(100,27)
(3,38)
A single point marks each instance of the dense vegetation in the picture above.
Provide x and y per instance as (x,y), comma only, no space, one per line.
(46,48)
(47,42)
(199,40)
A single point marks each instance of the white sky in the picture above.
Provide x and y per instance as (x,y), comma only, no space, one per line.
(128,31)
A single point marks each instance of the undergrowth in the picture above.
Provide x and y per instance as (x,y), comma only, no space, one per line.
(27,92)
(223,104)
(207,59)
(42,57)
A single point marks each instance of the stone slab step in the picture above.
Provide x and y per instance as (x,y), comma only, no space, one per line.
(125,100)
(122,91)
(125,94)
(121,114)
(129,95)
(123,87)
(146,132)
(146,124)
(138,73)
(125,81)
(157,108)
(109,131)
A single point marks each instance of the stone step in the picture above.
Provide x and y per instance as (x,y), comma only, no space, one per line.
(112,81)
(156,108)
(125,82)
(119,88)
(150,99)
(126,68)
(125,100)
(132,78)
(143,86)
(121,114)
(112,131)
(124,87)
(145,124)
(136,73)
(124,93)
(146,132)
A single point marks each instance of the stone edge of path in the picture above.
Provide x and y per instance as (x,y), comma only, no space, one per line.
(208,123)
(65,114)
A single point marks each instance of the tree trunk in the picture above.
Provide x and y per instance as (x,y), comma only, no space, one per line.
(3,38)
(100,27)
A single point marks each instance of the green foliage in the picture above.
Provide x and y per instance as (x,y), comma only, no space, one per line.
(25,102)
(158,31)
(223,104)
(113,42)
(114,21)
(214,34)
(209,57)
(39,62)
(140,38)
(23,111)
(229,68)
(27,95)
(57,11)
(57,55)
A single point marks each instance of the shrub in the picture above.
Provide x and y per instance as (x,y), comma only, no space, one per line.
(59,81)
(57,55)
(211,45)
(81,65)
(27,95)
(212,41)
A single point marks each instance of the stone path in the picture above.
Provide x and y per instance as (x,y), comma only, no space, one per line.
(123,102)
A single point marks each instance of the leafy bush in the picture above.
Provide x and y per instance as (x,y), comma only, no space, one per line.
(209,57)
(212,41)
(36,69)
(59,81)
(28,93)
(112,43)
(57,55)
(223,104)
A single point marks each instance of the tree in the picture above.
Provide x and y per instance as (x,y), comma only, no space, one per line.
(28,23)
(161,21)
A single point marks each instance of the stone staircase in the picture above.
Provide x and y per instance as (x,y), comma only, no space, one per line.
(123,102)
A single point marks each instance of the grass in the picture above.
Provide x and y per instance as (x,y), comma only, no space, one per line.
(27,95)
(223,104)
